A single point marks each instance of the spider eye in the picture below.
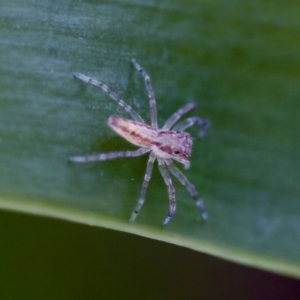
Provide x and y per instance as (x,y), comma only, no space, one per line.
(176,152)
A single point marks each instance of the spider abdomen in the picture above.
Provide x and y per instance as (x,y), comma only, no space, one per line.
(139,134)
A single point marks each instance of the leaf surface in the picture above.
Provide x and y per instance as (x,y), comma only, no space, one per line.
(239,61)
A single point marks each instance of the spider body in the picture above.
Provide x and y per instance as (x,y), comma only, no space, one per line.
(166,144)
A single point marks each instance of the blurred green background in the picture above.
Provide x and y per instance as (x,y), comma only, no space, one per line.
(238,60)
(44,258)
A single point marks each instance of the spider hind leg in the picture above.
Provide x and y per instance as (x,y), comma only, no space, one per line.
(150,91)
(102,156)
(110,93)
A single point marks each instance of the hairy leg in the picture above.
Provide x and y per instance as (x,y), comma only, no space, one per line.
(178,114)
(147,178)
(108,155)
(201,122)
(111,94)
(191,189)
(171,190)
(152,102)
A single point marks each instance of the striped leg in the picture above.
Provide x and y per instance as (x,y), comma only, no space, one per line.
(191,189)
(152,102)
(111,94)
(171,190)
(177,115)
(109,155)
(203,123)
(147,178)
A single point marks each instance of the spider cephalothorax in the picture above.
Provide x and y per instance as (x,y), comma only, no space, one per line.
(165,144)
(174,144)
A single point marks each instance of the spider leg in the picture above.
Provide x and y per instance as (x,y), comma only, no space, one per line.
(171,190)
(152,102)
(108,155)
(177,115)
(147,178)
(111,94)
(190,187)
(204,124)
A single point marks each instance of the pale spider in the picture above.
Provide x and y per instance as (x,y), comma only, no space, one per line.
(164,144)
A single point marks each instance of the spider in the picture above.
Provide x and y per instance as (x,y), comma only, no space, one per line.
(166,144)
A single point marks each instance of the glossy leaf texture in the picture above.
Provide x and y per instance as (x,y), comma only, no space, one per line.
(238,60)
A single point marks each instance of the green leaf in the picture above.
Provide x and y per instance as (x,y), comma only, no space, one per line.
(238,60)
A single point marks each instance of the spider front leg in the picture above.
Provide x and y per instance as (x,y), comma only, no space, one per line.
(171,190)
(191,189)
(178,114)
(152,102)
(147,178)
(203,123)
